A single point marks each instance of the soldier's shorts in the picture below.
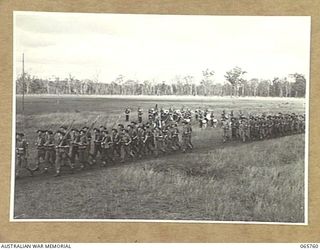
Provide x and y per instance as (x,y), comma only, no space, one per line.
(50,156)
(41,154)
(83,156)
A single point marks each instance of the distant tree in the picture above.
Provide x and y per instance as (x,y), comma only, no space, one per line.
(235,78)
(254,83)
(208,81)
(299,85)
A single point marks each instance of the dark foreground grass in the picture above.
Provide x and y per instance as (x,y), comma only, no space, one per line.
(259,181)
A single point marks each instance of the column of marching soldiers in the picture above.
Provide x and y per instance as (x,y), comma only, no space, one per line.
(161,134)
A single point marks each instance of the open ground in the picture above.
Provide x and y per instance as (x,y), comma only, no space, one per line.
(259,181)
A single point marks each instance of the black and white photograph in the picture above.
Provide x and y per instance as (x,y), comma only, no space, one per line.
(160,118)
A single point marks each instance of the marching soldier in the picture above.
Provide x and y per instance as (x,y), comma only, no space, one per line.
(242,130)
(212,123)
(74,146)
(40,148)
(96,144)
(127,113)
(106,146)
(226,128)
(62,152)
(233,128)
(270,125)
(175,136)
(50,153)
(133,135)
(126,146)
(116,142)
(89,139)
(140,141)
(64,129)
(277,126)
(140,113)
(168,135)
(257,128)
(82,144)
(148,140)
(200,118)
(186,137)
(189,127)
(158,141)
(21,154)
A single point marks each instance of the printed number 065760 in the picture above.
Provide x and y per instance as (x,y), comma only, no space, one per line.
(308,245)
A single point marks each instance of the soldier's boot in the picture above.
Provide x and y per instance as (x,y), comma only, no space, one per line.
(91,160)
(57,173)
(72,166)
(37,167)
(30,170)
(110,159)
(131,154)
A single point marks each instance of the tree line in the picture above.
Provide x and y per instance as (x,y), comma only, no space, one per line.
(235,85)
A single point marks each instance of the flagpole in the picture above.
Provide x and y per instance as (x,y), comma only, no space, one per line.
(23,84)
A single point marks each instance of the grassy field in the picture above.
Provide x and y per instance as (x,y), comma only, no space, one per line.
(257,181)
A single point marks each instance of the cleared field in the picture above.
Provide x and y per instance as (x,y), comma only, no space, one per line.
(257,181)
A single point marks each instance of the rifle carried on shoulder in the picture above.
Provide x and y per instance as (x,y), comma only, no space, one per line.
(92,125)
(67,133)
(115,122)
(55,128)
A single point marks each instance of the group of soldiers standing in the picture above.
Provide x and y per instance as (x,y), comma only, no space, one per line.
(70,146)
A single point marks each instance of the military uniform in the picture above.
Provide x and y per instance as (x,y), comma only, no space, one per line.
(140,142)
(140,113)
(175,137)
(40,148)
(233,128)
(62,152)
(21,154)
(186,137)
(50,152)
(242,130)
(126,146)
(158,141)
(96,144)
(116,137)
(270,125)
(82,144)
(107,148)
(148,141)
(127,114)
(74,148)
(226,129)
(133,135)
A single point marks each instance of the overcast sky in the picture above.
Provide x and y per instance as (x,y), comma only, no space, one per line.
(159,47)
